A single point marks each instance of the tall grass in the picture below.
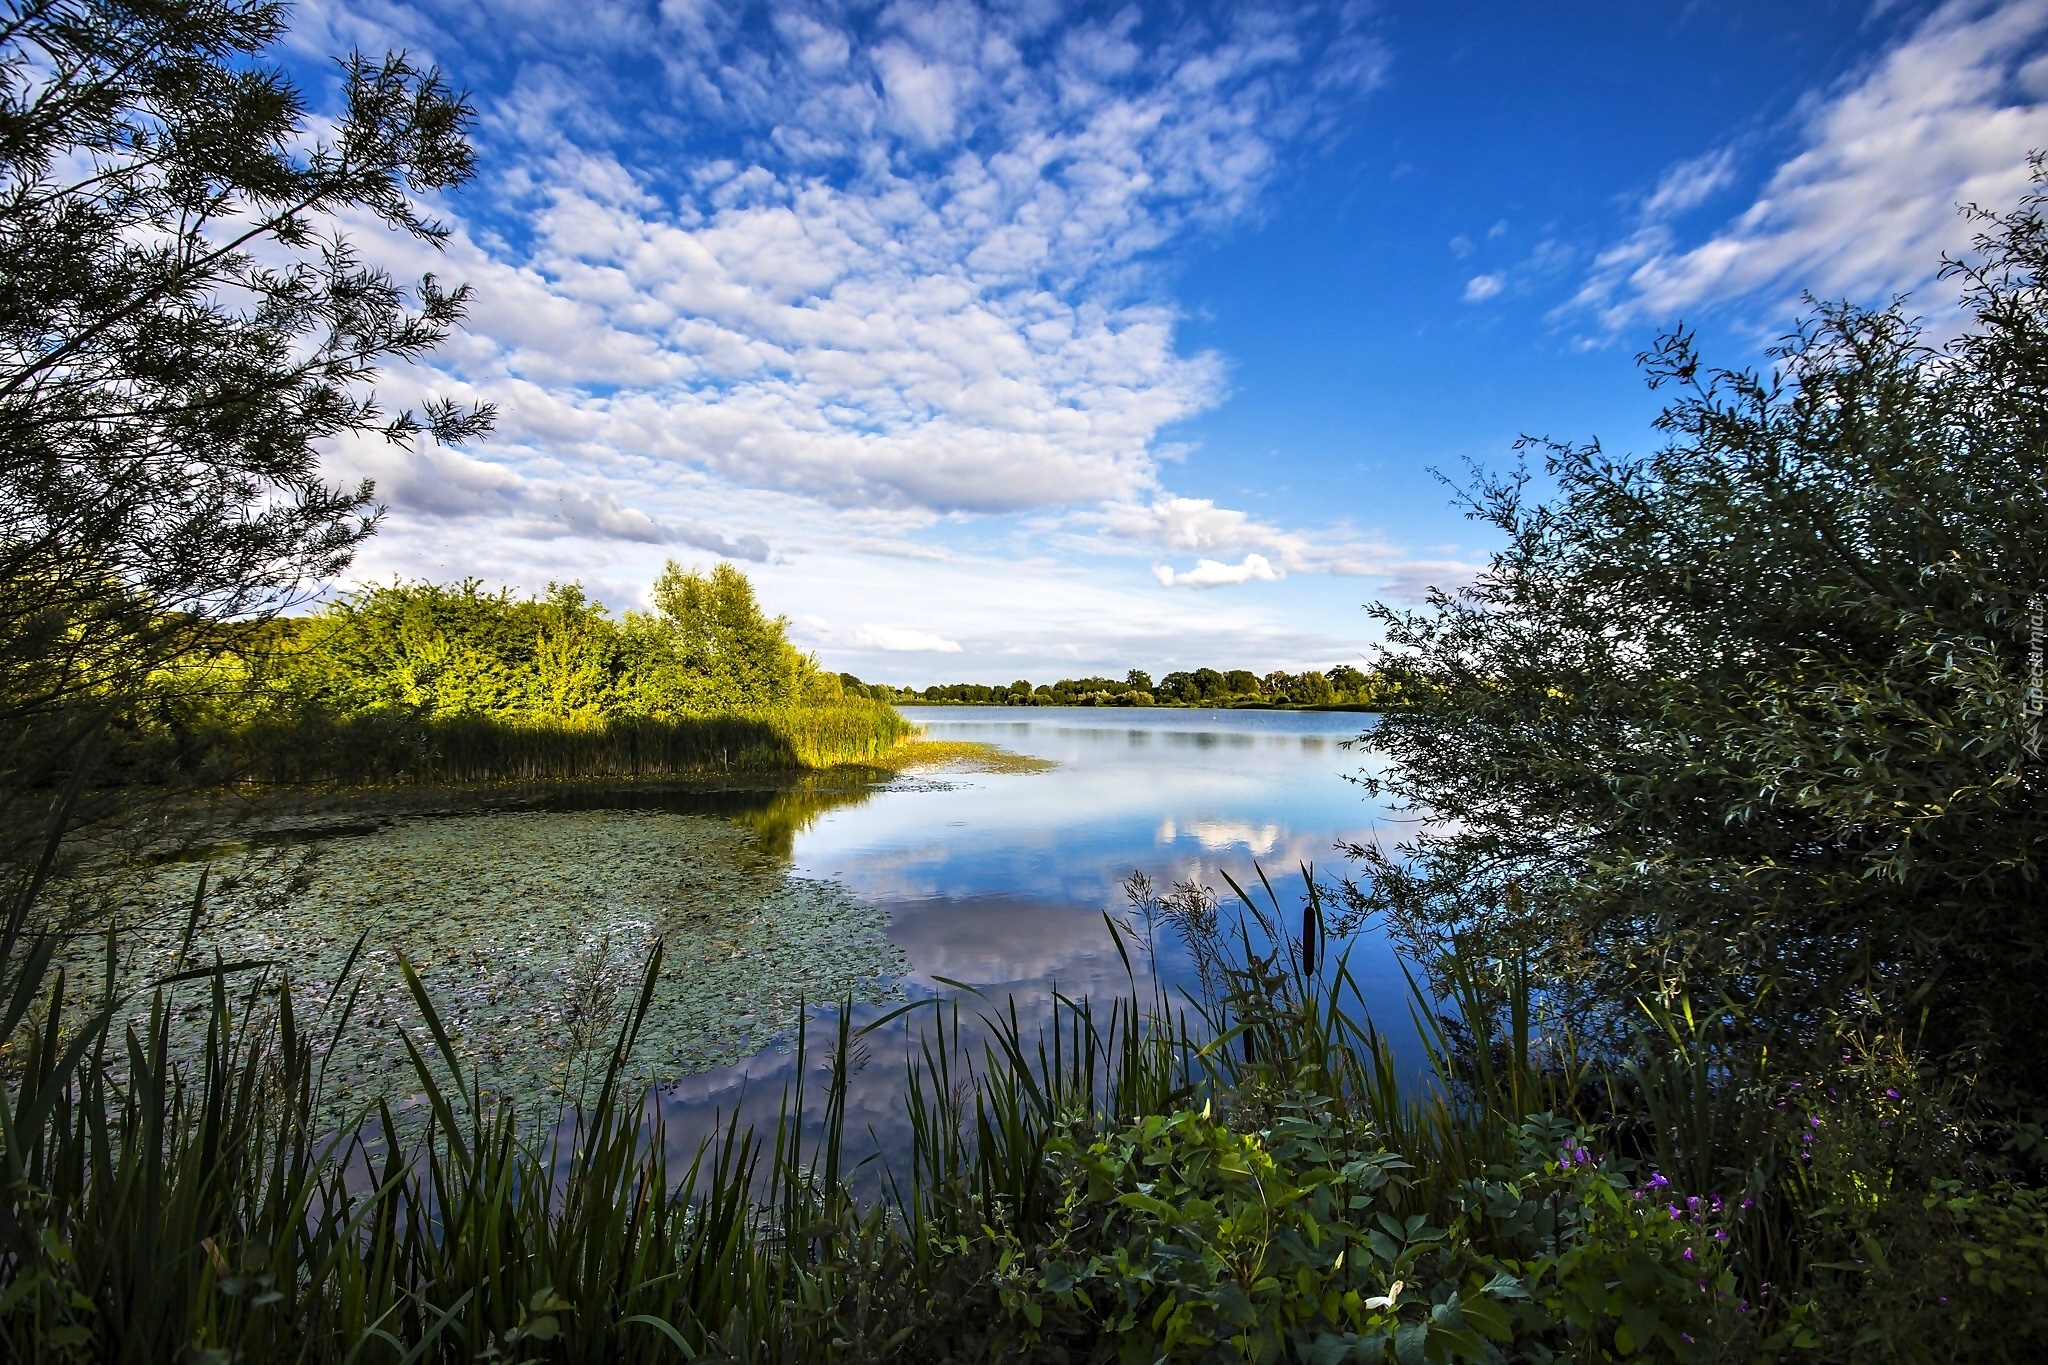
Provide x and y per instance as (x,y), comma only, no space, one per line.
(383,747)
(1247,1172)
(157,1208)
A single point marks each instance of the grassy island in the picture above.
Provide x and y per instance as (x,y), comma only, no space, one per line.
(434,683)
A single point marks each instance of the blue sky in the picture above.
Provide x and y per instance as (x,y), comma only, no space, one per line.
(1032,339)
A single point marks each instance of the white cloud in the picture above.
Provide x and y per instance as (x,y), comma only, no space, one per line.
(1195,524)
(1198,525)
(901,640)
(853,287)
(1214,573)
(951,315)
(1689,184)
(886,639)
(1480,288)
(1868,204)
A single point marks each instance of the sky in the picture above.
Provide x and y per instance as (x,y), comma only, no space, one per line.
(1033,339)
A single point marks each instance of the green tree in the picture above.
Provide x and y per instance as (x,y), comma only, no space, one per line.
(574,654)
(1349,683)
(182,325)
(431,648)
(709,646)
(1748,714)
(1312,688)
(1138,680)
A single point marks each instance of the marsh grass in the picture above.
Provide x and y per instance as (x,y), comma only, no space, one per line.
(1247,1173)
(201,1208)
(393,746)
(915,753)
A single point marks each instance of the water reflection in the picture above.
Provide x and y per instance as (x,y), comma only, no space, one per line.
(1000,880)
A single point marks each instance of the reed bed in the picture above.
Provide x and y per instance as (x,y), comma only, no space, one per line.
(386,747)
(1247,1173)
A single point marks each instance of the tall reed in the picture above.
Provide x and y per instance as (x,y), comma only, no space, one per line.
(382,747)
(159,1207)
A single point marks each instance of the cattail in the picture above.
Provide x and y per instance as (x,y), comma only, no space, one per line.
(1308,937)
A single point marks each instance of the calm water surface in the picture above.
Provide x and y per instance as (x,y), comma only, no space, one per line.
(1000,880)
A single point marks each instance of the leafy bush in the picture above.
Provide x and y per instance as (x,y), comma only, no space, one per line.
(1180,1238)
(1748,712)
(424,682)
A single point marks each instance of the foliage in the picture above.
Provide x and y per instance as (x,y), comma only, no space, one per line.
(1342,685)
(1746,716)
(182,324)
(451,650)
(1255,1183)
(709,648)
(287,747)
(426,682)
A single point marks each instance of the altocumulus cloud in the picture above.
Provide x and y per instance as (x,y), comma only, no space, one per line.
(788,263)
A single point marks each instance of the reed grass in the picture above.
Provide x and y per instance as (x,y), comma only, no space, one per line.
(388,747)
(159,1207)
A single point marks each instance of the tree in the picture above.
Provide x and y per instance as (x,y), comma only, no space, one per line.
(1747,715)
(1138,680)
(1311,689)
(182,325)
(1349,683)
(720,650)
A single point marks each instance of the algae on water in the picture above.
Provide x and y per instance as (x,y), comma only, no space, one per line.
(530,932)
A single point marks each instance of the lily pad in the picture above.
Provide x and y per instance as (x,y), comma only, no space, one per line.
(530,930)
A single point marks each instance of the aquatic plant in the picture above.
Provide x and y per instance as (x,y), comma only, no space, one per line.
(1128,1182)
(312,746)
(527,926)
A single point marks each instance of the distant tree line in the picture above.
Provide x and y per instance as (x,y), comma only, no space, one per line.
(1339,686)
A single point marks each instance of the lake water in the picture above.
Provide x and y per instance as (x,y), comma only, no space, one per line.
(1000,880)
(528,916)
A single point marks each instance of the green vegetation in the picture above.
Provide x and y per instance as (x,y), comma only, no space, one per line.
(1341,687)
(1243,1176)
(528,926)
(185,325)
(1750,715)
(1752,722)
(961,755)
(421,682)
